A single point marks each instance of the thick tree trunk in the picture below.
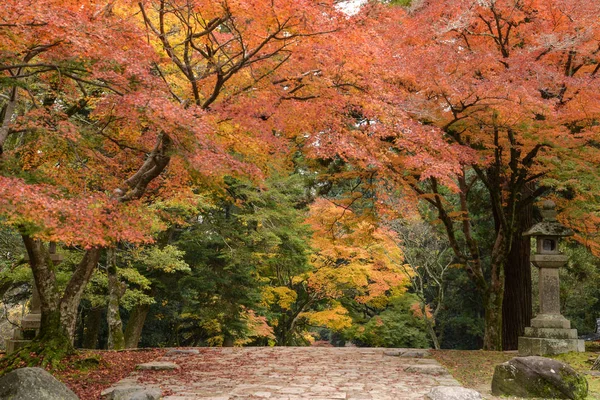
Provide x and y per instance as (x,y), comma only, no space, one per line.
(59,314)
(53,341)
(69,303)
(135,325)
(116,339)
(228,340)
(280,337)
(494,296)
(44,274)
(517,307)
(91,330)
(492,337)
(282,330)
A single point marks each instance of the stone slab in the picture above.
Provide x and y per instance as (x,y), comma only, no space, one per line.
(436,370)
(550,321)
(146,394)
(158,366)
(408,353)
(297,373)
(416,353)
(131,392)
(453,393)
(551,333)
(181,352)
(13,345)
(542,346)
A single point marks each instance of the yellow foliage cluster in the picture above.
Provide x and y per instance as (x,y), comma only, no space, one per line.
(283,296)
(353,253)
(335,318)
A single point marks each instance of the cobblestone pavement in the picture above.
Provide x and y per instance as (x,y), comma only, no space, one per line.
(296,373)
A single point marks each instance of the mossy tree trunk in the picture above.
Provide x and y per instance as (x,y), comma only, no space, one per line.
(116,339)
(135,325)
(59,310)
(492,336)
(494,296)
(69,302)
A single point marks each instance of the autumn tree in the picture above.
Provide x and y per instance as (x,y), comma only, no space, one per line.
(515,84)
(59,181)
(458,95)
(111,111)
(356,266)
(326,100)
(94,126)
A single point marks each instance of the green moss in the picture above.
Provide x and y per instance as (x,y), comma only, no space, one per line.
(582,363)
(47,350)
(88,363)
(544,390)
(579,385)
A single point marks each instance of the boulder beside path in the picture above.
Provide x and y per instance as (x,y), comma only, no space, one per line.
(33,384)
(538,377)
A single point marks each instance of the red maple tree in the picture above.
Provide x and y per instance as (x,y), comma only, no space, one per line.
(515,83)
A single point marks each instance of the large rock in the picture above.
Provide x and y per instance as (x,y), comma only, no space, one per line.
(538,377)
(33,384)
(453,393)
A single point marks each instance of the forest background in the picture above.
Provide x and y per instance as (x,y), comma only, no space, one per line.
(277,173)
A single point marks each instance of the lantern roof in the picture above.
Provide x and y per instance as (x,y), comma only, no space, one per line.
(549,225)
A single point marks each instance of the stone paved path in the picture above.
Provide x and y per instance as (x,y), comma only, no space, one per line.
(296,373)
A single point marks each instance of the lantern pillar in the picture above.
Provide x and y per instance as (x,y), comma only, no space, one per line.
(550,332)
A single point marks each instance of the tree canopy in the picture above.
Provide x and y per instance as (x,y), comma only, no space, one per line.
(272,161)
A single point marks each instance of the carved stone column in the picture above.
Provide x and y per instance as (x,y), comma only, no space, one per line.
(550,332)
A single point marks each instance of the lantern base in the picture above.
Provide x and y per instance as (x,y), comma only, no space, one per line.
(550,321)
(13,345)
(549,334)
(530,346)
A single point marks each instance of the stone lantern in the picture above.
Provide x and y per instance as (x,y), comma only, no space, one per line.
(550,332)
(31,323)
